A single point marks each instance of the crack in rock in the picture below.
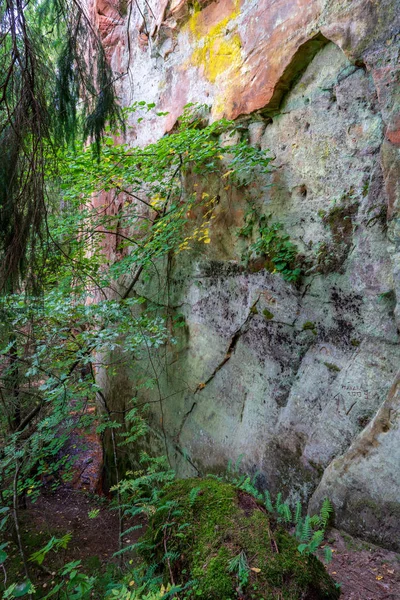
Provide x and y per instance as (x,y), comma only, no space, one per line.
(231,348)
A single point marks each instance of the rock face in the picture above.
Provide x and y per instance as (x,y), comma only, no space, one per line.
(363,483)
(297,380)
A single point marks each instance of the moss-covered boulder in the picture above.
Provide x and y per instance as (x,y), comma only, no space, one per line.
(221,538)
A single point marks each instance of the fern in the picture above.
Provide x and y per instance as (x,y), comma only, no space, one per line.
(306,531)
(134,528)
(297,514)
(193,495)
(239,482)
(248,487)
(216,477)
(254,478)
(316,541)
(238,462)
(278,501)
(285,512)
(327,554)
(239,565)
(171,556)
(315,521)
(268,501)
(326,512)
(302,548)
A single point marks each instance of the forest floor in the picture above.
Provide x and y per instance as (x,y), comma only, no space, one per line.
(365,571)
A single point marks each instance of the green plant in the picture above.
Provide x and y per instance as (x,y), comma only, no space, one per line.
(56,86)
(18,590)
(223,542)
(50,338)
(273,243)
(53,544)
(72,585)
(278,248)
(309,530)
(240,567)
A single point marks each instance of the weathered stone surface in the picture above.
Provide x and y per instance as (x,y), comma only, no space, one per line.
(293,379)
(363,483)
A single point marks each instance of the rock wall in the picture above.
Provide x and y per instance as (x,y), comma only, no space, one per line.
(299,381)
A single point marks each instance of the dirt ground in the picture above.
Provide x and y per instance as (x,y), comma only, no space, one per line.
(67,510)
(365,571)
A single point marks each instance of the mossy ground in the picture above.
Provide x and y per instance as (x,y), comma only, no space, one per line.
(206,523)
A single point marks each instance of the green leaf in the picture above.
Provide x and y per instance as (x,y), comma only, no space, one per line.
(328,554)
(22,589)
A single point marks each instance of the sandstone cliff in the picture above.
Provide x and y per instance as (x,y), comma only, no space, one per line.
(302,382)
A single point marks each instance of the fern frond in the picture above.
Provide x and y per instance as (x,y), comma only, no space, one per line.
(268,501)
(193,495)
(171,556)
(254,478)
(299,530)
(302,548)
(297,514)
(239,482)
(238,462)
(134,528)
(307,531)
(216,477)
(316,540)
(315,521)
(327,554)
(285,512)
(326,512)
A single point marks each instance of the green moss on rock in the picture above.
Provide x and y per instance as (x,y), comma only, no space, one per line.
(332,367)
(268,314)
(205,523)
(310,326)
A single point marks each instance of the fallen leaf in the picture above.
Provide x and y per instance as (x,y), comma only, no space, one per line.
(255,569)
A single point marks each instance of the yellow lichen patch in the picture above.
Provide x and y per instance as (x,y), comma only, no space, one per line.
(218,50)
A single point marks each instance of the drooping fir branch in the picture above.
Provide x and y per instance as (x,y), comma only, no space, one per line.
(55,83)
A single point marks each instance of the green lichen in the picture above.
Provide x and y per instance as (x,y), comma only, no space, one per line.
(205,530)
